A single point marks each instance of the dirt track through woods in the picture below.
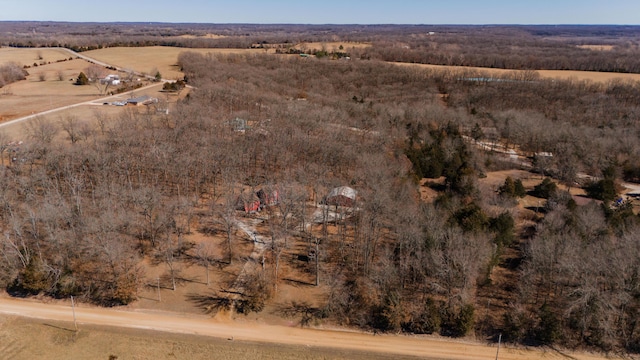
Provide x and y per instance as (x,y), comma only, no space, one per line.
(427,347)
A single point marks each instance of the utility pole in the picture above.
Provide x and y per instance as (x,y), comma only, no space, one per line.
(499,341)
(159,298)
(73,309)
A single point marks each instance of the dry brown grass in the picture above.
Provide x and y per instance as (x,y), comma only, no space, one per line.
(25,56)
(85,113)
(331,46)
(43,90)
(163,58)
(32,95)
(52,95)
(549,74)
(206,36)
(596,47)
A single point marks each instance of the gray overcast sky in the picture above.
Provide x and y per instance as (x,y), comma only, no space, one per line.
(329,11)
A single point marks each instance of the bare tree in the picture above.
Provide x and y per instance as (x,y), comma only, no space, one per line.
(226,215)
(71,125)
(4,145)
(204,255)
(41,130)
(95,72)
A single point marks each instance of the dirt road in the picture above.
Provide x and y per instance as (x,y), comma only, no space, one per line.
(427,347)
(94,101)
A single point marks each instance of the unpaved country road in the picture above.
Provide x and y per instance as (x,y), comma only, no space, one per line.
(89,102)
(428,348)
(94,101)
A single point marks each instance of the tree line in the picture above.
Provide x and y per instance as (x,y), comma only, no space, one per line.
(503,47)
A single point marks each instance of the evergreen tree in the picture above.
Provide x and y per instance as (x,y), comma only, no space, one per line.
(82,79)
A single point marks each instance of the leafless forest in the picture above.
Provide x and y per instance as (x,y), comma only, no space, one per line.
(505,47)
(79,216)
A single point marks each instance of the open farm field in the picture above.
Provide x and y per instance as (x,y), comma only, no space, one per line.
(33,95)
(331,46)
(30,56)
(162,58)
(205,36)
(88,113)
(596,47)
(594,76)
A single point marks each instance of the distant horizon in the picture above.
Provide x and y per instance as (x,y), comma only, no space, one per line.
(329,12)
(300,24)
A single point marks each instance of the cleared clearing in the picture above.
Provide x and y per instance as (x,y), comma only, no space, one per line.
(549,74)
(596,47)
(331,46)
(163,58)
(32,95)
(205,36)
(29,56)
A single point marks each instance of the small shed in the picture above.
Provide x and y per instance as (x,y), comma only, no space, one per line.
(341,196)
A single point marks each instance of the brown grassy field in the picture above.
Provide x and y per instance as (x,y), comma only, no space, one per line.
(43,89)
(549,74)
(29,56)
(88,113)
(331,46)
(596,47)
(206,36)
(32,95)
(145,59)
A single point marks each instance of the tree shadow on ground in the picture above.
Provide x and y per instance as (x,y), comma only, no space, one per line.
(299,283)
(303,310)
(212,303)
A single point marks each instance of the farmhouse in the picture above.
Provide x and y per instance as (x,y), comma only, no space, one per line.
(111,79)
(341,196)
(268,198)
(142,100)
(248,202)
(239,125)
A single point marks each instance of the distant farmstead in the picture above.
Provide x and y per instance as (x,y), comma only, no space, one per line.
(239,125)
(142,100)
(111,79)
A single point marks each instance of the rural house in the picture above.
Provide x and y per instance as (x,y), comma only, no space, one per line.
(111,80)
(248,202)
(341,196)
(268,198)
(239,125)
(142,100)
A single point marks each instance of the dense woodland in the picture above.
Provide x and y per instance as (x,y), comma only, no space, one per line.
(78,216)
